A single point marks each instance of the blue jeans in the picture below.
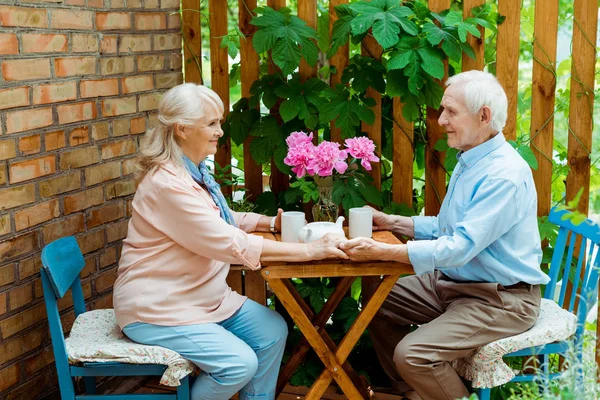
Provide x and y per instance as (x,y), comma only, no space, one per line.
(241,354)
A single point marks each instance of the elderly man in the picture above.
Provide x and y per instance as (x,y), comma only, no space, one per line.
(477,263)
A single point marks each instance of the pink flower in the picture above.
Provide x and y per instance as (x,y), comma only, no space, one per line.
(297,138)
(299,155)
(326,157)
(363,148)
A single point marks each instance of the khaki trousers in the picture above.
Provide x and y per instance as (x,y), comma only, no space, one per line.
(455,319)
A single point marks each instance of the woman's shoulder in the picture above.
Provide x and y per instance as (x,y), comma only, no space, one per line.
(164,177)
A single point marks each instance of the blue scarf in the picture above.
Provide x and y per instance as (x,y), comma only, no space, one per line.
(203,177)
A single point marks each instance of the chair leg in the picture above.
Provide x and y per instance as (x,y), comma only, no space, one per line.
(183,390)
(90,384)
(484,394)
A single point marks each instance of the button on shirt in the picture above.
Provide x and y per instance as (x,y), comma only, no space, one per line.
(487,229)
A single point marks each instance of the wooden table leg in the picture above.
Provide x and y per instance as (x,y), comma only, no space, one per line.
(319,321)
(314,338)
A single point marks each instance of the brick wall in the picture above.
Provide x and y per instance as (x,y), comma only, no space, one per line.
(79,83)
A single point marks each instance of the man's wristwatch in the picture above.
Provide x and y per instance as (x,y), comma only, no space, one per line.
(272,228)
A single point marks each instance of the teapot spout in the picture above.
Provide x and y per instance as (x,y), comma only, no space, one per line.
(340,221)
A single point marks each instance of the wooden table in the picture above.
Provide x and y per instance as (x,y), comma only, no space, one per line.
(278,275)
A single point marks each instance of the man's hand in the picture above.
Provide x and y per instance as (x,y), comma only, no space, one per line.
(278,219)
(382,221)
(326,247)
(362,249)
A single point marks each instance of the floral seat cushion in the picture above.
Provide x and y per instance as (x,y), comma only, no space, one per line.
(486,369)
(96,337)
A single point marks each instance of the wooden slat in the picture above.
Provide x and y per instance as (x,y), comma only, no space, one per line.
(435,175)
(192,41)
(542,98)
(255,287)
(219,62)
(279,270)
(370,48)
(402,172)
(339,61)
(507,60)
(235,281)
(249,73)
(307,11)
(476,43)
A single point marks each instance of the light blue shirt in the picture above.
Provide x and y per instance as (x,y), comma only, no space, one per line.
(487,229)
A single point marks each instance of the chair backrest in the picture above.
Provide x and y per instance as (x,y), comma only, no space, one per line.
(579,273)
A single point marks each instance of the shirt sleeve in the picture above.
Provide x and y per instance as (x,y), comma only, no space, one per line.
(426,228)
(190,222)
(491,213)
(246,221)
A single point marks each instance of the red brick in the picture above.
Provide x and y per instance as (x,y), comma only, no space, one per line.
(116,65)
(90,266)
(75,2)
(134,4)
(10,376)
(44,43)
(20,121)
(103,302)
(54,92)
(135,43)
(30,145)
(150,63)
(140,83)
(120,106)
(79,158)
(54,140)
(37,214)
(168,80)
(149,101)
(66,321)
(3,305)
(66,227)
(116,231)
(35,388)
(91,241)
(168,41)
(26,69)
(95,3)
(175,62)
(100,87)
(169,4)
(74,66)
(120,127)
(120,188)
(138,125)
(153,119)
(18,346)
(150,21)
(151,3)
(23,17)
(108,257)
(118,149)
(83,200)
(76,112)
(32,169)
(118,3)
(16,97)
(8,149)
(23,320)
(100,131)
(84,43)
(102,173)
(106,21)
(29,267)
(18,246)
(108,45)
(3,175)
(20,296)
(7,274)
(105,280)
(174,21)
(129,166)
(17,196)
(71,19)
(36,362)
(79,136)
(5,224)
(60,184)
(41,1)
(104,214)
(9,43)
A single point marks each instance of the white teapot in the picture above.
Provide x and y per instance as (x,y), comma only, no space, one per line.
(316,230)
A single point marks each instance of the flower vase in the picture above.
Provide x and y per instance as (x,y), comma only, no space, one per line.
(325,209)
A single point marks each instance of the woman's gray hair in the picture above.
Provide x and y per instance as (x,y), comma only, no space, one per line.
(183,105)
(483,89)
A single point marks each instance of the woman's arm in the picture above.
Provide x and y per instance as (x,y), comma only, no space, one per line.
(326,247)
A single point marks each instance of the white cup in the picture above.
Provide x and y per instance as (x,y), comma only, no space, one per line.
(291,223)
(361,222)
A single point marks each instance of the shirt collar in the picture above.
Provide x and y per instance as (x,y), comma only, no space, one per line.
(470,157)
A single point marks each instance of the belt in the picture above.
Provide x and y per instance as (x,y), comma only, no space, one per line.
(519,285)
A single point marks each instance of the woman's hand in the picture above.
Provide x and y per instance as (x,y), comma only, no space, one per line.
(326,247)
(362,249)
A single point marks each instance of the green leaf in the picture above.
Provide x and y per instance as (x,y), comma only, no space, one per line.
(386,31)
(240,120)
(371,194)
(261,149)
(527,154)
(266,203)
(323,32)
(431,62)
(356,288)
(364,72)
(289,109)
(286,54)
(266,126)
(342,28)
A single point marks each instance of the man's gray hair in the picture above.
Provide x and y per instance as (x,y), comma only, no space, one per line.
(483,89)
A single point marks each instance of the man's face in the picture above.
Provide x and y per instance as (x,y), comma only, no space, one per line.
(464,129)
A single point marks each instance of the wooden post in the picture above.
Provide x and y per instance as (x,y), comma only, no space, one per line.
(476,42)
(402,173)
(307,10)
(249,73)
(339,61)
(542,97)
(192,41)
(219,62)
(507,60)
(435,174)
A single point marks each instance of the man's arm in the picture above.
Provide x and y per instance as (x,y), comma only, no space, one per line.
(420,228)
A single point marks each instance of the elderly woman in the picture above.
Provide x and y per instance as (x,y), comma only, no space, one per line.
(182,236)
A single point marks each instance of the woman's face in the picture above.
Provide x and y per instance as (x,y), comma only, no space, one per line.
(202,139)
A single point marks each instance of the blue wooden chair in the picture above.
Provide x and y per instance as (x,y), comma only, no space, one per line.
(584,288)
(62,262)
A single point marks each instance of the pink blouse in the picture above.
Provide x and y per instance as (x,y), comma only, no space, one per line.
(177,252)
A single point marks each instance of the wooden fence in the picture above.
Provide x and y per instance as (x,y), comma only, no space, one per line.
(507,49)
